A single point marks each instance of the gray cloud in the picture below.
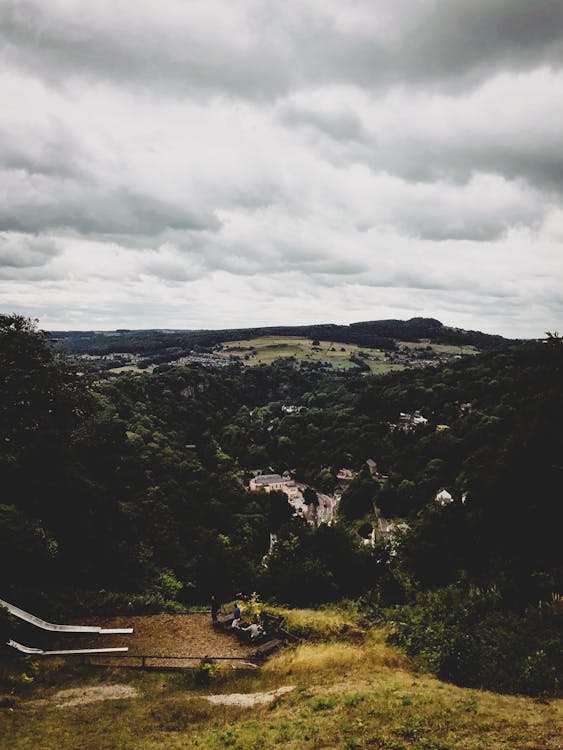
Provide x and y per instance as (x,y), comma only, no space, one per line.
(341,125)
(456,39)
(58,153)
(201,161)
(41,203)
(54,180)
(259,50)
(511,126)
(537,160)
(23,251)
(117,48)
(27,257)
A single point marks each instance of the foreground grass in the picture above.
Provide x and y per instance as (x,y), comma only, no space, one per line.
(347,695)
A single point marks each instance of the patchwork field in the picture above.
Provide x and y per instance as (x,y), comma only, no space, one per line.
(266,349)
(440,348)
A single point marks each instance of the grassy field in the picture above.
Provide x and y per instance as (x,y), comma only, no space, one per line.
(440,348)
(347,693)
(339,356)
(266,349)
(127,368)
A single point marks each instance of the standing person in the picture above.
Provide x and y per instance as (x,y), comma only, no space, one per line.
(214,608)
(236,616)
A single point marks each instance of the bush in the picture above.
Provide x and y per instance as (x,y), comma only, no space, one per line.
(206,672)
(463,635)
(110,603)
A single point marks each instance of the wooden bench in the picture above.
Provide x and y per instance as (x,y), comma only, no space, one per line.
(244,636)
(267,648)
(272,622)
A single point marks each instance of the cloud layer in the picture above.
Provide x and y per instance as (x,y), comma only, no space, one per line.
(209,164)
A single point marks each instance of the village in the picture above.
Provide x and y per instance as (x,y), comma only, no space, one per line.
(321,508)
(326,355)
(315,507)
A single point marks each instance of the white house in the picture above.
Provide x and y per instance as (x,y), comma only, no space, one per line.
(443,498)
(269,482)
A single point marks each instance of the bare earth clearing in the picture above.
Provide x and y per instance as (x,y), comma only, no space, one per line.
(82,696)
(189,636)
(249,700)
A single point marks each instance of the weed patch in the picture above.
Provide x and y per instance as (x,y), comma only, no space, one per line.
(323,704)
(350,701)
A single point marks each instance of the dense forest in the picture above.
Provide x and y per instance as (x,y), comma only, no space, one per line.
(130,494)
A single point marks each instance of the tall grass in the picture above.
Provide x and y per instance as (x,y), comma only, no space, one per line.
(317,662)
(317,624)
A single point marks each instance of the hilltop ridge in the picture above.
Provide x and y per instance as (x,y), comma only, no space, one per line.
(164,345)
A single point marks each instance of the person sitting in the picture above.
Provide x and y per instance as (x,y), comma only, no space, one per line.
(254,630)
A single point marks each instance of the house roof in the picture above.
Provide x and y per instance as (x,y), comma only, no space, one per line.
(267,478)
(444,496)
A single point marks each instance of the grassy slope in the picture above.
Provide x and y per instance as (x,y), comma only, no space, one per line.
(348,694)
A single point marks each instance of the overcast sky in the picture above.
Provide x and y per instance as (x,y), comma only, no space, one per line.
(187,164)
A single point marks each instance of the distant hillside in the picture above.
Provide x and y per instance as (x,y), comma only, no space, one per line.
(166,345)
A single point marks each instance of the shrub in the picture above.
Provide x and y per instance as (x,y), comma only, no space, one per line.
(463,635)
(206,672)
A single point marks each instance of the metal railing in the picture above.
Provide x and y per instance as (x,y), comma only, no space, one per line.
(156,661)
